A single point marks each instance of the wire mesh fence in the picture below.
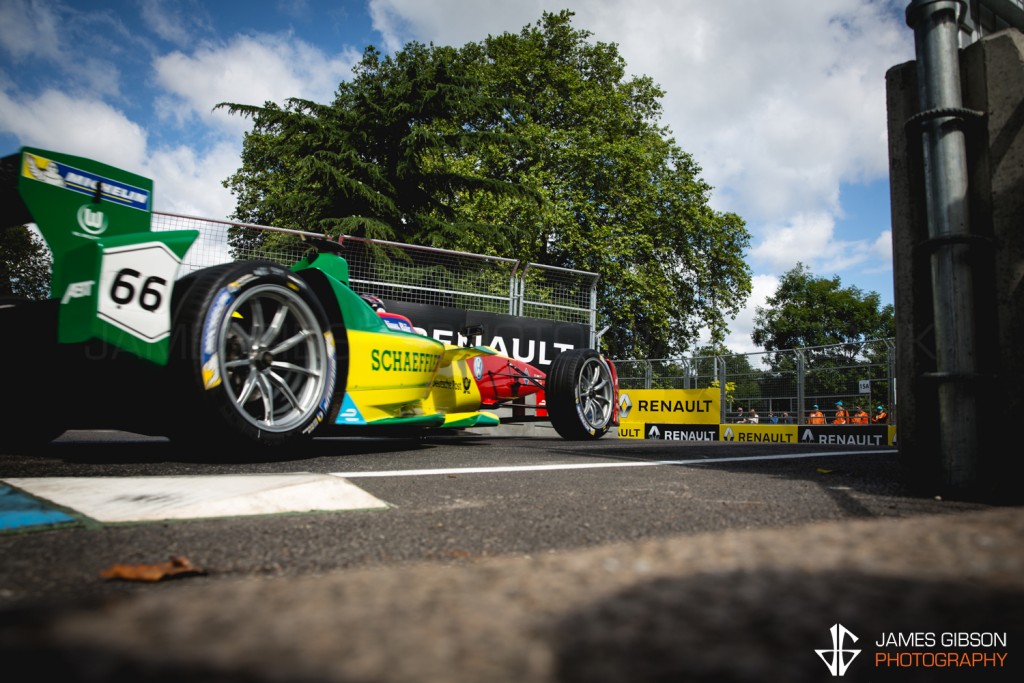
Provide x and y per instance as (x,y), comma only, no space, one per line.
(782,386)
(403,272)
(558,294)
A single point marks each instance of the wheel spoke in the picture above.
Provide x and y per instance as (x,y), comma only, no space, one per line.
(291,342)
(278,381)
(236,329)
(248,387)
(257,322)
(594,393)
(275,327)
(267,393)
(293,368)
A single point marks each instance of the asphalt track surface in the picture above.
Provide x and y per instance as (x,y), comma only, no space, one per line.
(513,558)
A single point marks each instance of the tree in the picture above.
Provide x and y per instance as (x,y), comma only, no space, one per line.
(24,264)
(381,161)
(622,199)
(808,312)
(833,326)
(533,146)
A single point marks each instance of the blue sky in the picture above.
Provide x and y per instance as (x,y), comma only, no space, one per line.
(781,103)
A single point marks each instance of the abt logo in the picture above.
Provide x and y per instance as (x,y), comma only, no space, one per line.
(836,658)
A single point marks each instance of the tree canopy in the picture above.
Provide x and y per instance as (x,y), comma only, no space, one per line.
(532,145)
(24,264)
(808,311)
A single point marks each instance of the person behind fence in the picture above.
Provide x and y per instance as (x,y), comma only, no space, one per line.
(841,416)
(741,417)
(752,417)
(860,417)
(816,417)
(772,417)
(880,416)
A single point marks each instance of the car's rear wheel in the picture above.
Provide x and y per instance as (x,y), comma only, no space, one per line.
(254,354)
(580,393)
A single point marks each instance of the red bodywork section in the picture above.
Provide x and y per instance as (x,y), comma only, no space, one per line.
(503,380)
(615,391)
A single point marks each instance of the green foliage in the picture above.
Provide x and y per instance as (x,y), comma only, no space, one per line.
(24,264)
(808,311)
(832,323)
(744,378)
(381,161)
(621,199)
(531,145)
(730,389)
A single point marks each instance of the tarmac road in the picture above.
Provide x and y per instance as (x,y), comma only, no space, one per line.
(526,559)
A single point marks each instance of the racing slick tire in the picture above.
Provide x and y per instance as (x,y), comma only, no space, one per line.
(253,356)
(580,394)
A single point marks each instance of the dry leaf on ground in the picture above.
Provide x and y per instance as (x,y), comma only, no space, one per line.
(174,567)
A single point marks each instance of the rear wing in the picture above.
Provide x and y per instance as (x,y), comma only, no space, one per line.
(111,273)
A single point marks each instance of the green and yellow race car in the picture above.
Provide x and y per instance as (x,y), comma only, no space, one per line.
(247,353)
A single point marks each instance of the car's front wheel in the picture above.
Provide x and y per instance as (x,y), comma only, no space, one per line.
(255,356)
(580,393)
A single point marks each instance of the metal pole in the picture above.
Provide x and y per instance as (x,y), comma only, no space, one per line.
(720,372)
(935,24)
(801,384)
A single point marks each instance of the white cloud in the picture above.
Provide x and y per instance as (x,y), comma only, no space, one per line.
(881,249)
(738,340)
(779,103)
(247,70)
(28,31)
(84,127)
(456,22)
(173,20)
(54,35)
(805,237)
(190,184)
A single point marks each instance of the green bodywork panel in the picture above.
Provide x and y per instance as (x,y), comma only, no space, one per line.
(111,273)
(415,421)
(358,315)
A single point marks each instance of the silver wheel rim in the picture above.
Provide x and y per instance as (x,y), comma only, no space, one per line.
(273,358)
(594,393)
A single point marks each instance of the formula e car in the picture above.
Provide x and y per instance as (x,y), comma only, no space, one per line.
(247,353)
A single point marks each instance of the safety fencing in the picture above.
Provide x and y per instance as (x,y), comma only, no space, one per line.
(782,387)
(408,273)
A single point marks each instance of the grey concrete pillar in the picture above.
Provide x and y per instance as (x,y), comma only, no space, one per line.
(992,82)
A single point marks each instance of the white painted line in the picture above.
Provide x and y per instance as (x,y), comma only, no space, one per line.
(137,499)
(599,465)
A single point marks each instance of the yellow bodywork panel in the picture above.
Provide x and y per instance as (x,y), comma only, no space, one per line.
(390,375)
(405,376)
(454,388)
